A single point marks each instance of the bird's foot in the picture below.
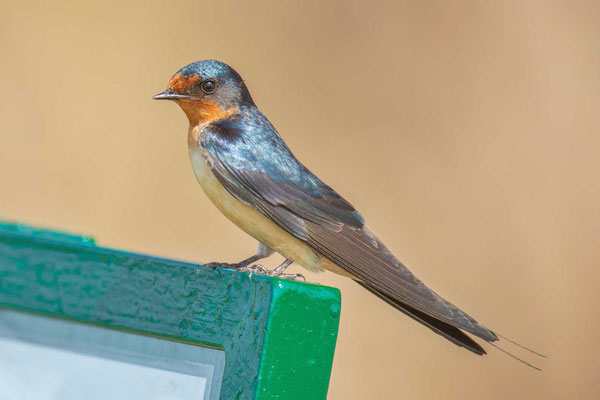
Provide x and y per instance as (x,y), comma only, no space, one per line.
(292,277)
(260,270)
(256,269)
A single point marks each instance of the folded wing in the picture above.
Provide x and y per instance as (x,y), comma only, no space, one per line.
(268,177)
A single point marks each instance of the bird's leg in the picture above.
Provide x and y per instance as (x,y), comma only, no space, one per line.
(262,252)
(277,272)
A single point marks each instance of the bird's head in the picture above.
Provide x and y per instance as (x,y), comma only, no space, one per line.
(207,90)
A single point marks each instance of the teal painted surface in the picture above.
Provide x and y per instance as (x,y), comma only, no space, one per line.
(299,342)
(278,336)
(45,233)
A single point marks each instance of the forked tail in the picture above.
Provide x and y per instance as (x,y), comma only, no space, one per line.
(450,332)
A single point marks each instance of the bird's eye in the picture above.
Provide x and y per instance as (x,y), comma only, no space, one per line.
(208,86)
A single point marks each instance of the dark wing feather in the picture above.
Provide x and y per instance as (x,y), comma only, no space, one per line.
(262,172)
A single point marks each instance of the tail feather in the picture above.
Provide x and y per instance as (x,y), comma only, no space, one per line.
(521,346)
(442,328)
(450,332)
(517,358)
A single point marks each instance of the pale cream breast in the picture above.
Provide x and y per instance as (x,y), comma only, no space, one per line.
(251,220)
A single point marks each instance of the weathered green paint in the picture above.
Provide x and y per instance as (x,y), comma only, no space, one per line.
(278,336)
(63,237)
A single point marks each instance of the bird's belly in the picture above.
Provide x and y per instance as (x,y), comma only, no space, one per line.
(253,222)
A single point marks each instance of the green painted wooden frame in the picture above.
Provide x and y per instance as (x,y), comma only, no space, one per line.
(278,336)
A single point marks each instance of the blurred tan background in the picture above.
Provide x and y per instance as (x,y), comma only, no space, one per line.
(466,133)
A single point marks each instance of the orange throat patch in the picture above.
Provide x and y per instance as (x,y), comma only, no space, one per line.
(204,111)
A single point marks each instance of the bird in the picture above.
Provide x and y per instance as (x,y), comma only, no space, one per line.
(249,173)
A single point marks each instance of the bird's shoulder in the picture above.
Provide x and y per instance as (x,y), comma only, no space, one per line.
(247,142)
(247,151)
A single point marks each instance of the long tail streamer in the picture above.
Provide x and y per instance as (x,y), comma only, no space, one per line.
(513,356)
(521,346)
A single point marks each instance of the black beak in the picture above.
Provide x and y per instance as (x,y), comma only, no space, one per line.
(170,94)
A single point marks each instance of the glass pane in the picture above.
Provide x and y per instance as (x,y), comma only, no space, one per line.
(45,358)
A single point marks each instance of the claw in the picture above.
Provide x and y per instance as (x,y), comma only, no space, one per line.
(293,277)
(256,269)
(260,270)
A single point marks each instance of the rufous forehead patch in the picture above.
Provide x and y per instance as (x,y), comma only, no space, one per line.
(179,82)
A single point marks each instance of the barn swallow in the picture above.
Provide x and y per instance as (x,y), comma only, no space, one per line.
(249,173)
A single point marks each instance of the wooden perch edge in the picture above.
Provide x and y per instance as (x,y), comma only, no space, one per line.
(278,336)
